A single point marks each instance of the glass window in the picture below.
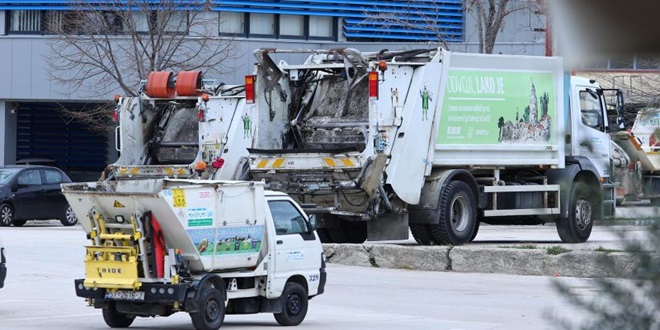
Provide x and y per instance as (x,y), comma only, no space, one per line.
(287,218)
(29,177)
(173,21)
(262,24)
(321,26)
(140,20)
(7,174)
(25,21)
(232,23)
(292,25)
(53,176)
(590,107)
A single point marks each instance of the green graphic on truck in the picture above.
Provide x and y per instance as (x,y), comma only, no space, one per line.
(497,107)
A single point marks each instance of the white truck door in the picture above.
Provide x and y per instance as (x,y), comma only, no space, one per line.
(297,249)
(591,138)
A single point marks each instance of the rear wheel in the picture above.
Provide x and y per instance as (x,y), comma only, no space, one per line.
(115,319)
(457,215)
(6,215)
(211,314)
(421,233)
(68,218)
(581,215)
(295,305)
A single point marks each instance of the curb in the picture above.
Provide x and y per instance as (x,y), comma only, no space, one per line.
(466,259)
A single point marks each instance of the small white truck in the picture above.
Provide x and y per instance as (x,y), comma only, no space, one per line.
(181,126)
(433,140)
(204,247)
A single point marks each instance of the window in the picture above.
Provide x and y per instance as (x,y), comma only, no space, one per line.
(292,25)
(590,108)
(25,21)
(321,27)
(262,24)
(173,21)
(53,176)
(287,218)
(232,23)
(29,177)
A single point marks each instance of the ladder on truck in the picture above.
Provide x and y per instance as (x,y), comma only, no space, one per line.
(118,249)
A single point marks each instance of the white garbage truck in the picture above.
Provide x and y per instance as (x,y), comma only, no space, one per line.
(205,247)
(431,140)
(181,126)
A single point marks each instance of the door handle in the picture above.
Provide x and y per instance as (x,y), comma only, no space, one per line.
(279,241)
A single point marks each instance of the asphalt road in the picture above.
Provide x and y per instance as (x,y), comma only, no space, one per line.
(44,259)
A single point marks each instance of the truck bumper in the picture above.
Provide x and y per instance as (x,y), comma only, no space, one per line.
(153,292)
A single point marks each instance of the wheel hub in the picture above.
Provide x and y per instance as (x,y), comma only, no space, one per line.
(294,305)
(583,213)
(212,310)
(459,214)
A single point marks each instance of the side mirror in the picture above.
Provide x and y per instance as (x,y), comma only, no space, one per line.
(313,223)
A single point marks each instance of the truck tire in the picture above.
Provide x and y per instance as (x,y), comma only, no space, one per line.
(68,218)
(115,319)
(6,215)
(458,214)
(655,201)
(295,305)
(475,231)
(421,233)
(576,228)
(211,304)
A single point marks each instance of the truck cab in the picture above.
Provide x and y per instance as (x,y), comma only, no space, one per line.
(205,247)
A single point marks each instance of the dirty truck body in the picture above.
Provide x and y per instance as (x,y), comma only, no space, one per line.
(204,247)
(636,155)
(180,127)
(434,141)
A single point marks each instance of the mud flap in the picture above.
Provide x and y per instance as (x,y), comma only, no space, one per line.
(388,227)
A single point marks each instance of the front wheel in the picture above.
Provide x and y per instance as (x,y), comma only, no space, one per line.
(295,305)
(458,215)
(582,212)
(115,319)
(211,312)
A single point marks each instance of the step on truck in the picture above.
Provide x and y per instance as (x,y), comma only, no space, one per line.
(431,140)
(204,247)
(181,126)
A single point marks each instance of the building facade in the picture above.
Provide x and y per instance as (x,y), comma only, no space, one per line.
(33,127)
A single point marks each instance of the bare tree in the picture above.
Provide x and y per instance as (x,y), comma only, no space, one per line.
(491,16)
(99,48)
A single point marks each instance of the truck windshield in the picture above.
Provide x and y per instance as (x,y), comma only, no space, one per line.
(287,218)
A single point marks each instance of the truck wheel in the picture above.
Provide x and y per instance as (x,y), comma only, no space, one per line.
(295,305)
(458,214)
(577,227)
(6,215)
(421,233)
(211,313)
(115,319)
(476,231)
(356,232)
(68,217)
(655,201)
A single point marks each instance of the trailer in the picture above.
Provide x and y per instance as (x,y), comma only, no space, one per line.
(204,247)
(433,141)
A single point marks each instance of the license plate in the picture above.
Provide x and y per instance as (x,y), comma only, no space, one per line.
(125,295)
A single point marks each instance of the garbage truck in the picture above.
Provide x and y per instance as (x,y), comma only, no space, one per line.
(377,143)
(204,247)
(180,126)
(636,158)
